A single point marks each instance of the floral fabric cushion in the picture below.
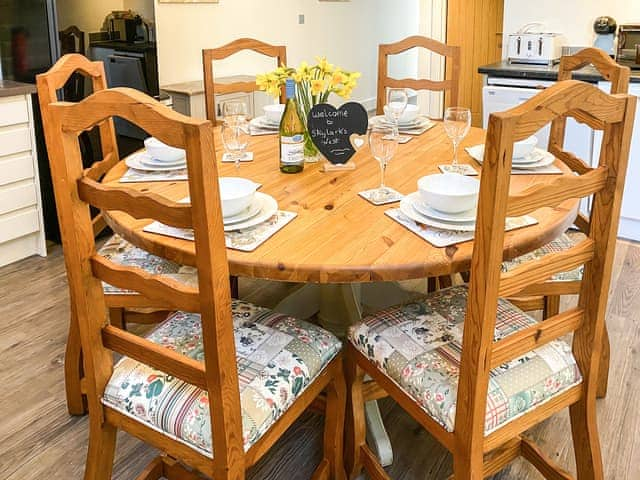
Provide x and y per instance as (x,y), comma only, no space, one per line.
(418,346)
(564,242)
(277,358)
(124,253)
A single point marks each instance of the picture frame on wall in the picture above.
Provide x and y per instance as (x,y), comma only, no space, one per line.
(188,1)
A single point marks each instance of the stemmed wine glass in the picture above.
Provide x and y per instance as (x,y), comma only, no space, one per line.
(383,145)
(235,137)
(235,111)
(457,123)
(397,100)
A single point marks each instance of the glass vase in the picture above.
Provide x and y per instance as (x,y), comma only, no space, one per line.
(311,153)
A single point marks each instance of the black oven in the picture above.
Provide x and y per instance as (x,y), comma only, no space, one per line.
(629,46)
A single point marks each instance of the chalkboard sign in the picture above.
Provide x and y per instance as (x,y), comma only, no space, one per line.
(331,129)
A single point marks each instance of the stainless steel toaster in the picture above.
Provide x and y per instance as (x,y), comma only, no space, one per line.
(533,47)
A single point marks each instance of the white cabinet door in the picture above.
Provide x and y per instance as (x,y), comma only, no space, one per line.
(630,213)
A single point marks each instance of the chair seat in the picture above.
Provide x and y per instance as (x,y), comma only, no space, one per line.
(564,242)
(277,357)
(124,253)
(418,346)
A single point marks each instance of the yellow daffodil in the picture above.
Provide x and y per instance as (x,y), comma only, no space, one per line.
(337,78)
(324,65)
(317,86)
(315,81)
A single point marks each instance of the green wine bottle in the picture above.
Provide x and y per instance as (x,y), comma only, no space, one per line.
(291,134)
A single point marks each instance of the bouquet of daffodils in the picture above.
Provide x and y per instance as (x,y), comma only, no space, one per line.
(314,83)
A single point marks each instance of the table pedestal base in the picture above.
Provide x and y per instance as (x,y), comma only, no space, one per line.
(338,306)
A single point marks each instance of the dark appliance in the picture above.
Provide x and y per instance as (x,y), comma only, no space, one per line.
(629,46)
(28,46)
(28,38)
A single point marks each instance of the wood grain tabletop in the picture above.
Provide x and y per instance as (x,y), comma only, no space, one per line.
(337,236)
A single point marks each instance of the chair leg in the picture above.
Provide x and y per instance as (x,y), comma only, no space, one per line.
(73,369)
(586,444)
(551,306)
(468,468)
(334,427)
(102,446)
(603,370)
(355,425)
(116,317)
(233,282)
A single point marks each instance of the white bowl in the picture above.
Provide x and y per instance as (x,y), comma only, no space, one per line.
(409,115)
(449,192)
(524,147)
(236,194)
(274,112)
(162,151)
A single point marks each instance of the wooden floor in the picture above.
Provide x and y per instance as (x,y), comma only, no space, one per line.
(38,440)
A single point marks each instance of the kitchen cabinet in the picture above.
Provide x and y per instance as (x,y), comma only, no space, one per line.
(21,223)
(188,97)
(630,214)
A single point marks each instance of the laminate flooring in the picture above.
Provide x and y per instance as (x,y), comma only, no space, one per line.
(39,440)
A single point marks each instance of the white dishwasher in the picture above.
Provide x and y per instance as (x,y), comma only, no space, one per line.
(501,94)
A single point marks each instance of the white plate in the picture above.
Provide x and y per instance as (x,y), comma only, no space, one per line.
(262,122)
(422,208)
(419,122)
(540,157)
(268,207)
(135,161)
(154,162)
(406,207)
(249,212)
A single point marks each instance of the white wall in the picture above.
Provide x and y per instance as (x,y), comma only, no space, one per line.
(348,33)
(573,18)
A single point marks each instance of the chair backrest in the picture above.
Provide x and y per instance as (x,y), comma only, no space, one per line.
(76,189)
(65,70)
(212,88)
(72,41)
(55,79)
(611,71)
(480,354)
(450,84)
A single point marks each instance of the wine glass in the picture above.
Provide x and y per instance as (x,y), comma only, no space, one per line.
(397,100)
(383,145)
(457,123)
(235,137)
(235,111)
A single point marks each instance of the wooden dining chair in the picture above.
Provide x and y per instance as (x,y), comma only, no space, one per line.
(119,302)
(547,295)
(469,366)
(449,85)
(217,383)
(213,88)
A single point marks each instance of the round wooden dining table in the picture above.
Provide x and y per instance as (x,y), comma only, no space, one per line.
(340,245)
(337,236)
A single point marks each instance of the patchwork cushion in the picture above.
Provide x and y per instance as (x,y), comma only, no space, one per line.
(124,253)
(277,358)
(564,242)
(418,346)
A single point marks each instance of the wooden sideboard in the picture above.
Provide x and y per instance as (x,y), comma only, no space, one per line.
(188,97)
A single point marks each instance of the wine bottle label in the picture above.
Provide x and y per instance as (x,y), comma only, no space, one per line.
(292,149)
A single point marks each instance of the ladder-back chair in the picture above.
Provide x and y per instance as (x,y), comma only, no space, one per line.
(216,384)
(118,301)
(450,85)
(213,88)
(469,366)
(547,295)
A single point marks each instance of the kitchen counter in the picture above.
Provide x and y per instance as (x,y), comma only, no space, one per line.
(9,88)
(196,87)
(124,46)
(543,72)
